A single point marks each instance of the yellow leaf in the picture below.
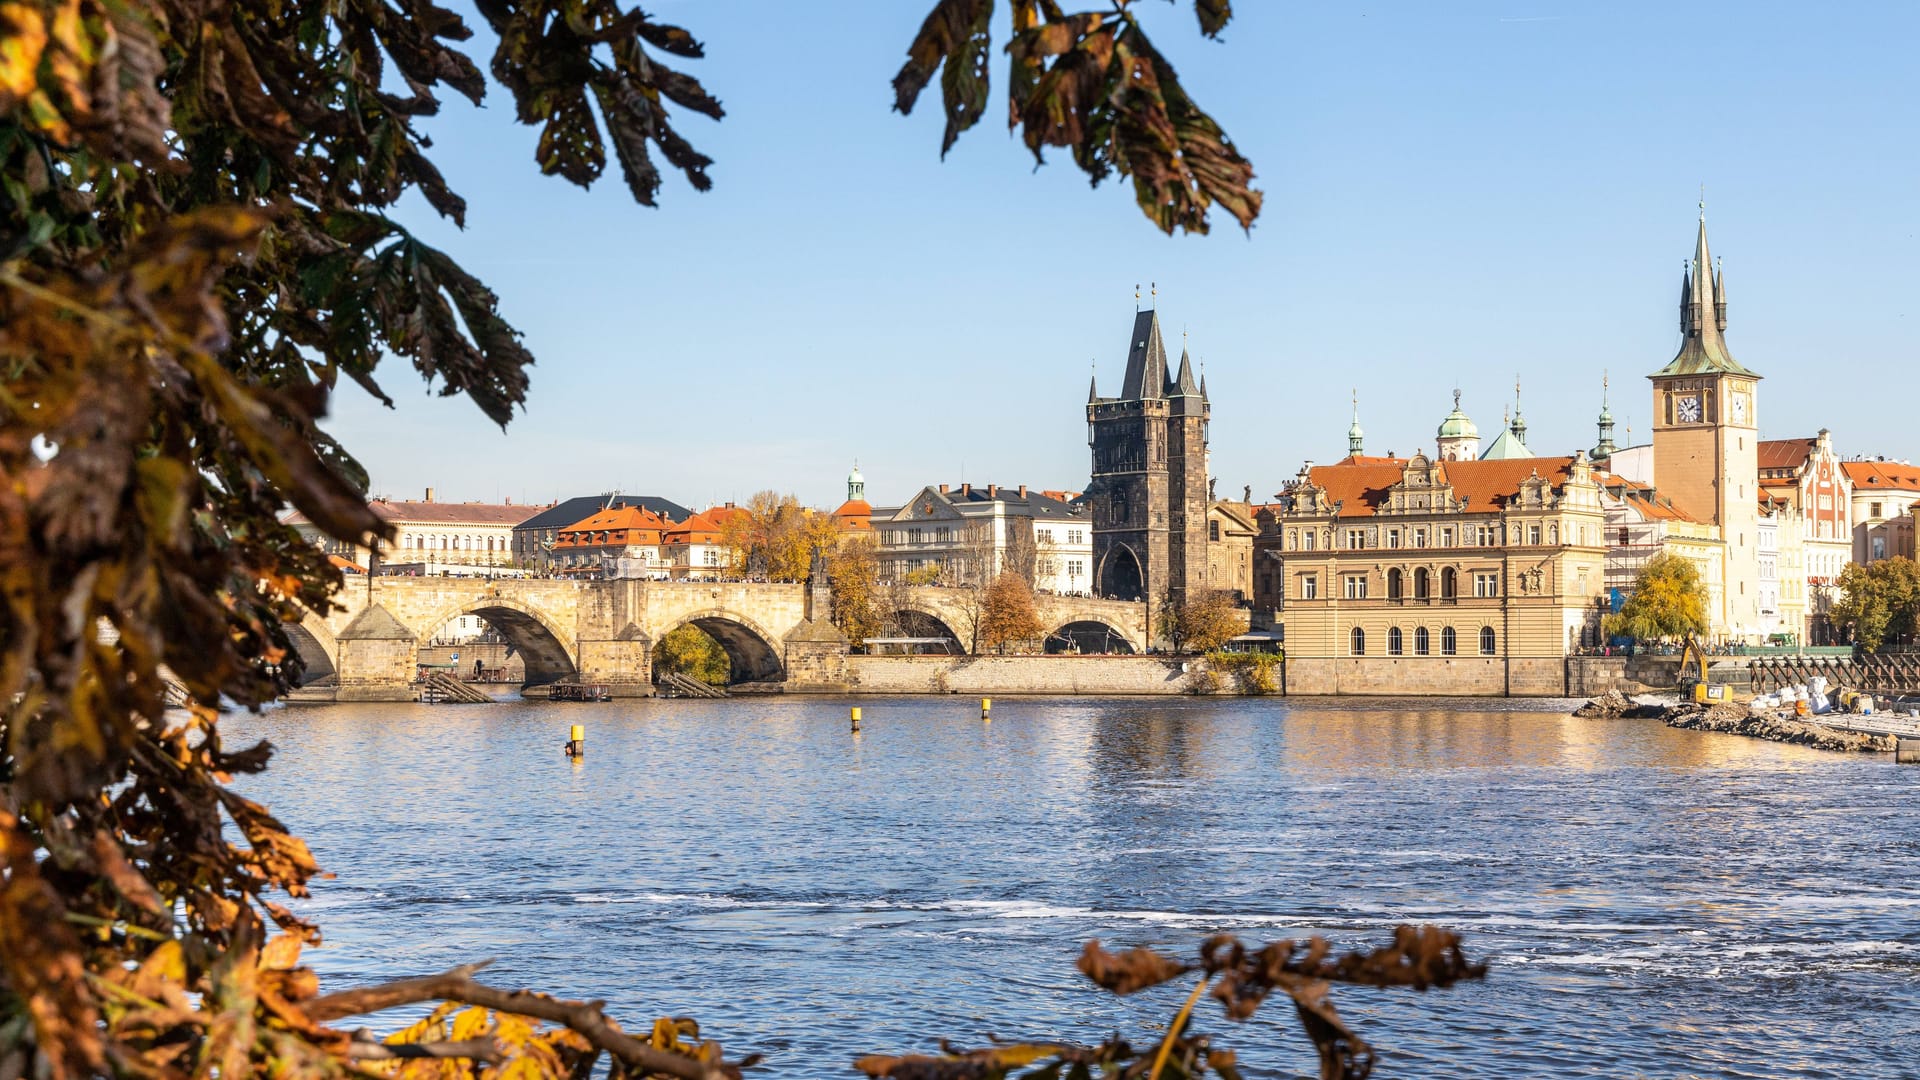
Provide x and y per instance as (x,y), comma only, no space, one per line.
(23,38)
(471,1023)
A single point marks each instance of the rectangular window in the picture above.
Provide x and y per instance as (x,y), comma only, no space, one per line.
(1533,535)
(1357,538)
(1393,538)
(1309,539)
(1309,586)
(1486,584)
(1873,510)
(1356,585)
(1419,538)
(1446,536)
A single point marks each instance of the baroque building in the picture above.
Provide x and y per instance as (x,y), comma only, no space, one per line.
(1148,492)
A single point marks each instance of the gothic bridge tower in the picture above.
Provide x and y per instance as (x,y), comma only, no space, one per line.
(1148,489)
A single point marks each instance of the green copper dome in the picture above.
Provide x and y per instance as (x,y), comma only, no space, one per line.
(1457,425)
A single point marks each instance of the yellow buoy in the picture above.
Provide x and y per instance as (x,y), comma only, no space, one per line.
(986,708)
(856,718)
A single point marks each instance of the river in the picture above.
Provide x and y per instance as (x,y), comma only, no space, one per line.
(1654,902)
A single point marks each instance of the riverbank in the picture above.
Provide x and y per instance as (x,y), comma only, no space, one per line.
(1734,718)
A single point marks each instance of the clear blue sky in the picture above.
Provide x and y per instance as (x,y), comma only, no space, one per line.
(1456,193)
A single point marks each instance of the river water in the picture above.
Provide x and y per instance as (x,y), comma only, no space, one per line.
(1654,902)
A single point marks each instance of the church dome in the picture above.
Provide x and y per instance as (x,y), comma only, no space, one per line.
(1457,425)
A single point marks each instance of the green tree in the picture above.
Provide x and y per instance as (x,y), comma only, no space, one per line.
(691,651)
(1668,601)
(1879,600)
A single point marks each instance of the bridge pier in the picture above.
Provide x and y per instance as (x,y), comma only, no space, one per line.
(624,663)
(377,658)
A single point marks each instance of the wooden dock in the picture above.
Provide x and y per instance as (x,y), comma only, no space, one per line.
(581,692)
(674,684)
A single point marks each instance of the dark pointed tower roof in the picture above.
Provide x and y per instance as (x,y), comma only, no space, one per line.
(1146,359)
(1184,385)
(1703,317)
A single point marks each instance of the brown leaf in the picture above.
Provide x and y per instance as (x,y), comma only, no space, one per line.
(1124,973)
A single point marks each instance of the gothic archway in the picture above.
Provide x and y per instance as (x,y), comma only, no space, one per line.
(1120,575)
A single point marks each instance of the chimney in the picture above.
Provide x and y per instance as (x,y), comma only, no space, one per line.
(429,494)
(1023,491)
(966,489)
(943,489)
(509,500)
(993,491)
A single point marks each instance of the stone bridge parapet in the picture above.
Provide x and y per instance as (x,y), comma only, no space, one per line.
(604,631)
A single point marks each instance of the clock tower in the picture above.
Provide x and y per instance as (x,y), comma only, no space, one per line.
(1706,439)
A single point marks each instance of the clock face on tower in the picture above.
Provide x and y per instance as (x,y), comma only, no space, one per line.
(1739,406)
(1687,409)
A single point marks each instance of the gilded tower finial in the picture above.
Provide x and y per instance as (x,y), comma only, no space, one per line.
(1136,296)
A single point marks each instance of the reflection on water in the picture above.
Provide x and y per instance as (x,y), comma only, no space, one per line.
(1656,902)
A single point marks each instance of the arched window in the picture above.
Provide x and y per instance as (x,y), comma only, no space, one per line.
(1486,641)
(1447,643)
(1359,642)
(1449,583)
(1420,583)
(1393,584)
(1419,641)
(1394,641)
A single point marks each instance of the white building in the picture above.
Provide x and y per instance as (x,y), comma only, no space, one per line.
(971,533)
(462,539)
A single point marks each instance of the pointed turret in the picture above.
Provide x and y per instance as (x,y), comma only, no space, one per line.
(1146,360)
(1703,316)
(1093,388)
(1519,424)
(1184,385)
(1604,448)
(1356,437)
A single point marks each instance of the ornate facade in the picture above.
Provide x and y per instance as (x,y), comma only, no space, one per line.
(1398,576)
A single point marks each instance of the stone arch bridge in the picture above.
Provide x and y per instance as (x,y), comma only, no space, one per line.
(604,631)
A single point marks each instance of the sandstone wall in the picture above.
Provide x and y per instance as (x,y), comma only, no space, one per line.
(1423,676)
(991,676)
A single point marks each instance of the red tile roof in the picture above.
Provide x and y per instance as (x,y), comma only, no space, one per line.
(1360,484)
(1882,476)
(1785,453)
(619,524)
(854,514)
(698,529)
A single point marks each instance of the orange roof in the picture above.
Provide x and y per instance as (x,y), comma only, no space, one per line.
(346,565)
(1882,476)
(698,529)
(620,524)
(1785,453)
(1655,508)
(1360,484)
(854,514)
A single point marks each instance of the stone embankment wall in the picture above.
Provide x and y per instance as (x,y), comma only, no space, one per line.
(1008,675)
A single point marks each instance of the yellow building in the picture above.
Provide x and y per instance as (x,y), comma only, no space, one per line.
(1416,576)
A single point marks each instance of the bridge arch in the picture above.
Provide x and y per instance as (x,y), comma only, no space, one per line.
(319,652)
(1089,635)
(545,649)
(923,622)
(753,654)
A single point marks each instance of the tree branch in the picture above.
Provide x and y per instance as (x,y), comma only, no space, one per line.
(477,1049)
(586,1017)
